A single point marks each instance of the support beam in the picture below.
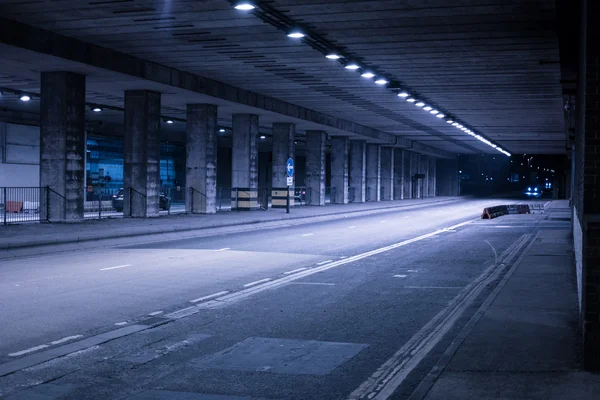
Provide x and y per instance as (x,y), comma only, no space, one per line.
(201,159)
(358,171)
(387,173)
(315,167)
(424,170)
(284,137)
(62,146)
(432,177)
(340,151)
(407,172)
(414,170)
(244,171)
(398,180)
(141,172)
(373,172)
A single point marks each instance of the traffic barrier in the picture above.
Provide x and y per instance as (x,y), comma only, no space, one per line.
(497,211)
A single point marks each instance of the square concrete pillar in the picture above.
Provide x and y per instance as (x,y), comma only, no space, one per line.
(284,148)
(244,178)
(316,142)
(340,151)
(358,171)
(141,170)
(62,146)
(387,173)
(398,180)
(432,177)
(373,172)
(424,170)
(407,173)
(414,170)
(447,177)
(201,159)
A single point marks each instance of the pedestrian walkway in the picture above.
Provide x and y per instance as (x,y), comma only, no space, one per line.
(523,342)
(35,234)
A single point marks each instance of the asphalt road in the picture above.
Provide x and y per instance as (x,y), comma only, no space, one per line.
(332,303)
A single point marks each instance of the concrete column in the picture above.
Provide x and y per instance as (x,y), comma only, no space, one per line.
(62,146)
(414,170)
(244,171)
(284,136)
(358,170)
(447,177)
(201,159)
(340,150)
(373,172)
(387,173)
(398,180)
(424,170)
(408,173)
(141,172)
(315,167)
(432,177)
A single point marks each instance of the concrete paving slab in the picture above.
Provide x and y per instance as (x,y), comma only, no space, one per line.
(171,395)
(47,391)
(543,291)
(546,264)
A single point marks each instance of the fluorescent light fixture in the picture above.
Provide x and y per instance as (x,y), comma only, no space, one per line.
(440,115)
(403,94)
(244,6)
(333,56)
(96,109)
(450,121)
(455,124)
(367,74)
(420,104)
(352,66)
(169,121)
(222,130)
(296,34)
(427,108)
(381,81)
(411,100)
(434,112)
(459,126)
(25,98)
(263,137)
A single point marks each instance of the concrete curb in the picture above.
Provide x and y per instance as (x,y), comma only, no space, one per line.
(127,234)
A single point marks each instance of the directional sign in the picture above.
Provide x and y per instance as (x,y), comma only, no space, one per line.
(289,168)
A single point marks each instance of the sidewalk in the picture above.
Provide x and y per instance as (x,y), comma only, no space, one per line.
(36,234)
(523,342)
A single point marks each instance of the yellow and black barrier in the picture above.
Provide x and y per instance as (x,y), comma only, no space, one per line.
(244,199)
(279,197)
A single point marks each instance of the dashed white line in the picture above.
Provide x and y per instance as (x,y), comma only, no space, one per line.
(413,270)
(224,249)
(294,271)
(432,287)
(210,296)
(308,234)
(116,267)
(66,339)
(184,312)
(406,217)
(121,323)
(29,350)
(313,283)
(383,221)
(152,314)
(352,227)
(400,276)
(257,282)
(324,262)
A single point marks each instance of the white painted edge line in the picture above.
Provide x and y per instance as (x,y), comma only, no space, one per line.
(257,282)
(121,323)
(223,249)
(116,267)
(184,312)
(66,339)
(308,234)
(294,271)
(312,283)
(400,276)
(29,350)
(210,296)
(324,262)
(152,314)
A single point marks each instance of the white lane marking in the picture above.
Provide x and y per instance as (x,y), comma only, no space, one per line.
(406,217)
(29,350)
(324,262)
(184,312)
(116,267)
(352,227)
(152,314)
(308,234)
(294,271)
(501,226)
(383,221)
(494,250)
(224,249)
(342,257)
(312,283)
(433,287)
(210,296)
(400,276)
(257,282)
(121,323)
(66,339)
(413,270)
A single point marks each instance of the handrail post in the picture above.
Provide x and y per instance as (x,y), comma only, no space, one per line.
(191,200)
(99,207)
(237,199)
(130,201)
(47,203)
(4,194)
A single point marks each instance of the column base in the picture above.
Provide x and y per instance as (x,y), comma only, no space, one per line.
(244,199)
(279,197)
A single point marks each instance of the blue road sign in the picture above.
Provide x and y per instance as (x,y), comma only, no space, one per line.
(290,167)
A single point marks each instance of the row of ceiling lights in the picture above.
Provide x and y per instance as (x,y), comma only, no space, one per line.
(297,33)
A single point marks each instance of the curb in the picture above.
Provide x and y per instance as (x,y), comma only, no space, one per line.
(117,235)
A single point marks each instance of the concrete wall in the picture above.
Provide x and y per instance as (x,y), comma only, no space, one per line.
(19,155)
(447,177)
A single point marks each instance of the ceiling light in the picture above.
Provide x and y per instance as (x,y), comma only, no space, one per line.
(455,124)
(368,75)
(459,126)
(222,130)
(450,121)
(263,137)
(169,121)
(420,104)
(333,56)
(440,116)
(434,112)
(25,98)
(428,108)
(381,81)
(244,6)
(352,66)
(96,109)
(411,100)
(296,34)
(403,94)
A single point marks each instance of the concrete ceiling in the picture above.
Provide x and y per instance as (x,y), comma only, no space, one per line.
(493,64)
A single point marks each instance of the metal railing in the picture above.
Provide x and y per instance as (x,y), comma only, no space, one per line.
(21,204)
(197,201)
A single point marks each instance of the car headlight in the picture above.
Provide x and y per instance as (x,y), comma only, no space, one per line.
(535,190)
